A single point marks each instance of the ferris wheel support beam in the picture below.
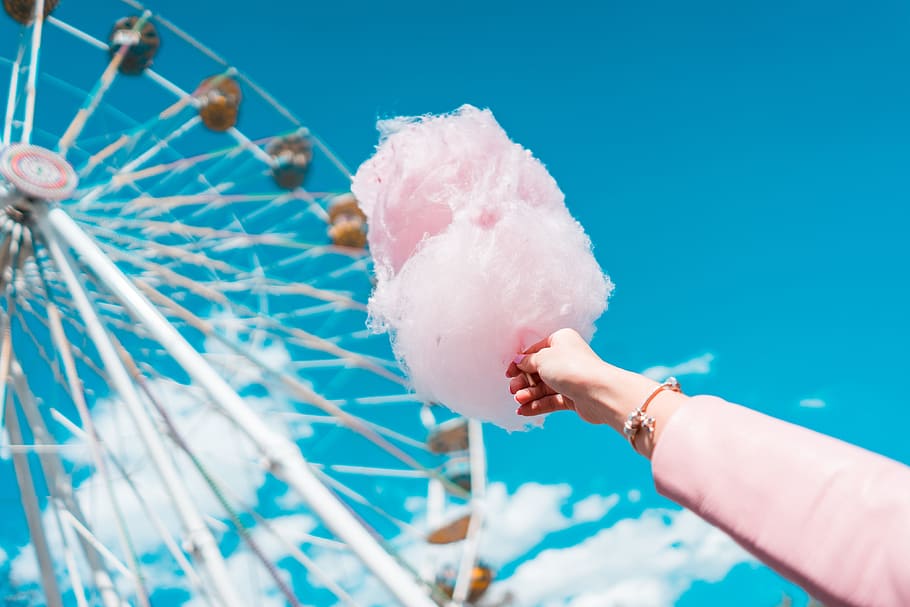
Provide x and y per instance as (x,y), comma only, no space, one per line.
(204,546)
(30,87)
(478,463)
(37,534)
(12,94)
(283,457)
(59,487)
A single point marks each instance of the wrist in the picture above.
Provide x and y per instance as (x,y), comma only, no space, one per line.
(618,392)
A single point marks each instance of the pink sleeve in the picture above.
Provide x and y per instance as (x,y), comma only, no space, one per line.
(829,516)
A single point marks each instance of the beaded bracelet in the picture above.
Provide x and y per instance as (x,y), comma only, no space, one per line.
(639,419)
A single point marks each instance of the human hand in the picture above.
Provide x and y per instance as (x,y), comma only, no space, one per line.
(562,372)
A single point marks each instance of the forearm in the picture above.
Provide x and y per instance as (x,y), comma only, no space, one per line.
(829,516)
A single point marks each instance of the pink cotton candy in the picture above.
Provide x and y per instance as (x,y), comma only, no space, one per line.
(476,257)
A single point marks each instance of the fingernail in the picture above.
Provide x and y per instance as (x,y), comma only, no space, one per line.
(518,411)
(517,360)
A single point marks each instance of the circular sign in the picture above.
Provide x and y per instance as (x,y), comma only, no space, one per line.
(37,172)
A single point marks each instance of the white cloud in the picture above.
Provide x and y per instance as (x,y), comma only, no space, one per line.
(647,561)
(223,449)
(644,562)
(700,365)
(515,524)
(634,592)
(812,403)
(24,567)
(593,508)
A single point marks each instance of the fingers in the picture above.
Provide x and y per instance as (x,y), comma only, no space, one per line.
(547,404)
(530,393)
(523,380)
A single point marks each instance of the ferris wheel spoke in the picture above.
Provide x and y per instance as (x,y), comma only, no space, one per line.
(25,304)
(86,534)
(293,550)
(42,352)
(310,565)
(123,141)
(299,389)
(154,150)
(76,32)
(205,547)
(360,264)
(215,293)
(398,436)
(299,193)
(359,261)
(12,98)
(24,479)
(214,486)
(69,558)
(65,351)
(240,279)
(363,501)
(95,449)
(113,183)
(168,540)
(298,336)
(206,328)
(175,166)
(61,490)
(208,200)
(332,157)
(93,100)
(376,472)
(31,86)
(184,100)
(152,228)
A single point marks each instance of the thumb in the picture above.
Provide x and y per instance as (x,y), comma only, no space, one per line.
(529,363)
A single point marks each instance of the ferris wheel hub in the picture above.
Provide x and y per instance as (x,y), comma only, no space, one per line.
(37,172)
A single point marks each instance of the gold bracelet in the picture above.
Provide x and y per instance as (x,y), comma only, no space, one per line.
(639,419)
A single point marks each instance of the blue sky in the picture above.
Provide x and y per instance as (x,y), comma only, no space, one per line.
(740,167)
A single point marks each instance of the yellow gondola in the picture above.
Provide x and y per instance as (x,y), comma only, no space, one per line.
(219,98)
(347,222)
(481,579)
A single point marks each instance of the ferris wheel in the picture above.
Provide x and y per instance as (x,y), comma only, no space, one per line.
(193,407)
